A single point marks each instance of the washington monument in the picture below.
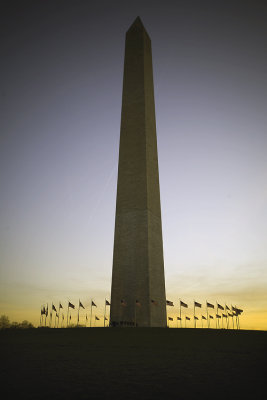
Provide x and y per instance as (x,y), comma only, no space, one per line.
(138,285)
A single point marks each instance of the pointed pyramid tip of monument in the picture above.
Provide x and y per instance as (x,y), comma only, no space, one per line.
(137,24)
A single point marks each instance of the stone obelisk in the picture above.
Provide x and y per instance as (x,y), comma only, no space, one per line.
(138,284)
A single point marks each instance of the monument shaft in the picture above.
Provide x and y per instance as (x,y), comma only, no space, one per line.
(138,285)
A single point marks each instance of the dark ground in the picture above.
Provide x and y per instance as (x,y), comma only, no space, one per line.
(132,363)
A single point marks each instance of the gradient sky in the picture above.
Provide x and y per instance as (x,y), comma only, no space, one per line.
(61,86)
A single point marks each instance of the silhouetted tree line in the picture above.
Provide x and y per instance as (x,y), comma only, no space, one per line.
(6,324)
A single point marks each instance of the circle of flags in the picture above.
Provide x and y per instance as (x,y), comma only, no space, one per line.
(225,317)
(55,318)
(211,315)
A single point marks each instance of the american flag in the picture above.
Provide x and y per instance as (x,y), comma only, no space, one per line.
(169,303)
(210,305)
(80,305)
(238,311)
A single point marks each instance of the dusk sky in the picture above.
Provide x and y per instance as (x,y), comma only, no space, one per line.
(60,101)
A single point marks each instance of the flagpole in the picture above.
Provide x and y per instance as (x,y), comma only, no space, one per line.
(91,315)
(46,313)
(52,316)
(233,317)
(58,314)
(105,314)
(194,314)
(55,319)
(237,318)
(68,314)
(226,313)
(208,321)
(78,313)
(180,314)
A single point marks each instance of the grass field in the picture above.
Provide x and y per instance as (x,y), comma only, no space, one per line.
(132,363)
